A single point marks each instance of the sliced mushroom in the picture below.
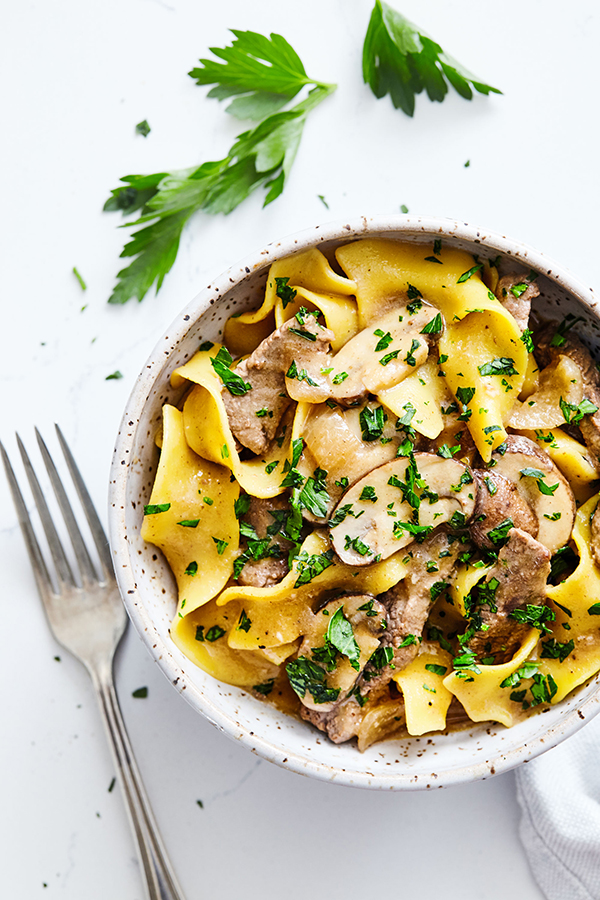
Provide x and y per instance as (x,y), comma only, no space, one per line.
(255,414)
(561,380)
(381,355)
(515,293)
(365,617)
(541,485)
(335,439)
(399,502)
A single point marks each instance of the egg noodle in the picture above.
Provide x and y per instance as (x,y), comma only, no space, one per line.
(377,496)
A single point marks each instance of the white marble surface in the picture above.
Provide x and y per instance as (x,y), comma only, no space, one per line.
(76,78)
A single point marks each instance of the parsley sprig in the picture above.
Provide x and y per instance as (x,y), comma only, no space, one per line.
(263,74)
(401,60)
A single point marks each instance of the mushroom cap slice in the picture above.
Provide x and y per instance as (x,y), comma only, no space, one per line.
(519,461)
(399,502)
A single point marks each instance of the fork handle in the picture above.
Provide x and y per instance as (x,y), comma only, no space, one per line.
(161,883)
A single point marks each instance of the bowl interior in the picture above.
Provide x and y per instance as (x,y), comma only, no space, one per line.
(149,590)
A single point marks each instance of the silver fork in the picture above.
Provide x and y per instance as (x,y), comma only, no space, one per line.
(87,617)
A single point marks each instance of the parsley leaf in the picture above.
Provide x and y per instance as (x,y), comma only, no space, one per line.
(264,73)
(372,422)
(234,383)
(309,567)
(341,636)
(400,60)
(305,675)
(500,365)
(434,327)
(536,616)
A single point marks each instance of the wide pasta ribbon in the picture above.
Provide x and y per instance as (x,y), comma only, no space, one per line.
(426,699)
(481,695)
(309,270)
(207,429)
(191,517)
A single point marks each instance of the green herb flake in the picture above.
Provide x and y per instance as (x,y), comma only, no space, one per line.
(244,623)
(82,283)
(143,128)
(435,326)
(192,568)
(221,545)
(152,509)
(114,376)
(140,693)
(469,273)
(189,523)
(341,636)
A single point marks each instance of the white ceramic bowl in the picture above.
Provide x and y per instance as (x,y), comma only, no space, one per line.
(148,587)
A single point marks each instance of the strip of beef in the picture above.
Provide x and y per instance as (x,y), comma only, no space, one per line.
(254,417)
(343,722)
(270,569)
(573,348)
(498,500)
(517,580)
(515,293)
(409,602)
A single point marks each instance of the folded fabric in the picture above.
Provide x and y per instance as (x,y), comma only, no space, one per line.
(559,795)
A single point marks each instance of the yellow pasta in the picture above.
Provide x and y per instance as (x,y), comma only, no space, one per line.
(310,270)
(426,698)
(188,490)
(481,694)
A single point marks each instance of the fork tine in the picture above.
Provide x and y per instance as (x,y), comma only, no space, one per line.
(40,570)
(63,569)
(86,568)
(89,509)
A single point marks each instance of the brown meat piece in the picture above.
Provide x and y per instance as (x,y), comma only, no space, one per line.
(575,350)
(521,571)
(519,307)
(342,723)
(265,371)
(493,509)
(269,571)
(409,602)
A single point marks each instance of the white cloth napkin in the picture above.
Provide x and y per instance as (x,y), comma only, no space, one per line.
(559,795)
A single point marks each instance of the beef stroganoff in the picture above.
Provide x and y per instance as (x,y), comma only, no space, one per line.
(378,495)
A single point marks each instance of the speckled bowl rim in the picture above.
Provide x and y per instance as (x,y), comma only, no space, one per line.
(347,230)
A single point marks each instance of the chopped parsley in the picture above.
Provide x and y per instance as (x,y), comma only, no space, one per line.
(435,326)
(500,365)
(372,422)
(305,675)
(152,509)
(192,568)
(357,545)
(470,272)
(214,633)
(234,383)
(221,545)
(536,616)
(368,493)
(384,340)
(559,339)
(308,567)
(437,670)
(341,636)
(574,414)
(553,649)
(410,358)
(341,376)
(244,623)
(189,523)
(499,535)
(285,293)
